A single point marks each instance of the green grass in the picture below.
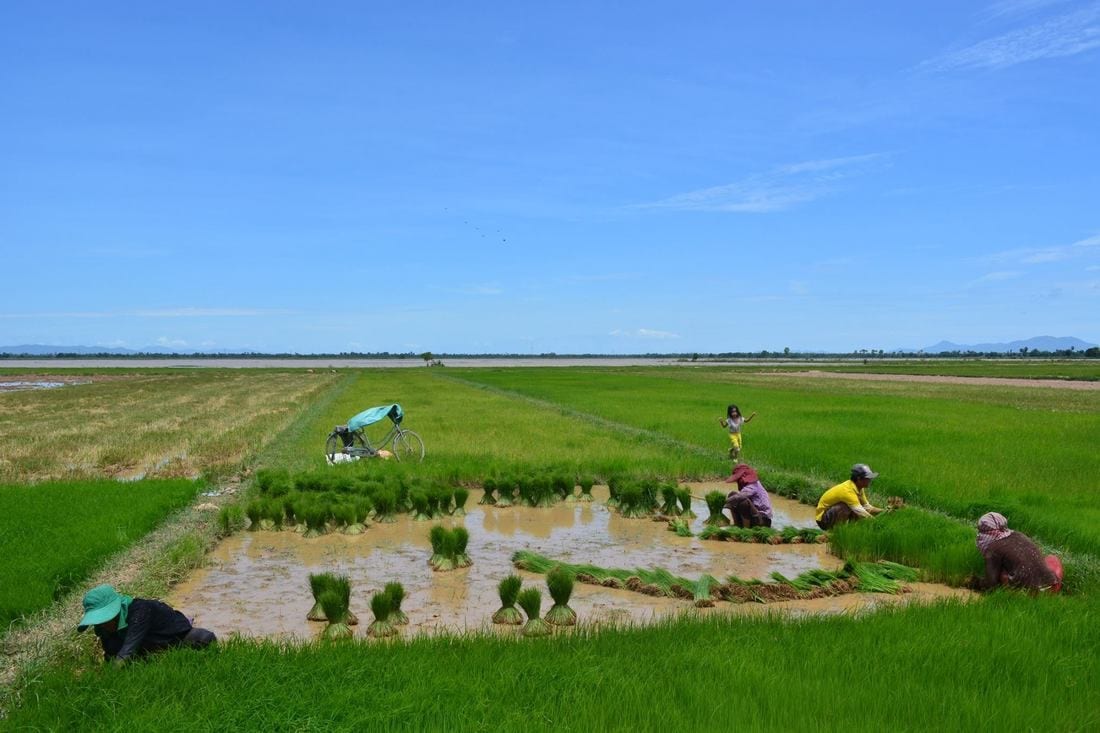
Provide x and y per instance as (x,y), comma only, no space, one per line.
(1029,453)
(908,669)
(470,433)
(52,535)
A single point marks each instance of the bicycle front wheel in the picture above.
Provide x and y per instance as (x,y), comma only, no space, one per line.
(407,446)
(333,446)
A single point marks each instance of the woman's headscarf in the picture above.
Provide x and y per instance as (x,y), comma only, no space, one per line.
(743,474)
(991,527)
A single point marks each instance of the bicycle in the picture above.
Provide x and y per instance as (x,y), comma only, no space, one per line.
(351,440)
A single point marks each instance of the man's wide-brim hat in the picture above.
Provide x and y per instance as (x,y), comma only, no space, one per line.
(101,604)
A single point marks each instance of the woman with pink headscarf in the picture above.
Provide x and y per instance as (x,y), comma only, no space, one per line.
(1012,559)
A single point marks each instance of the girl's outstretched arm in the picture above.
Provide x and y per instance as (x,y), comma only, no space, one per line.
(750,417)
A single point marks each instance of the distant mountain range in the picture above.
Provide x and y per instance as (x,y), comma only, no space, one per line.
(1038,343)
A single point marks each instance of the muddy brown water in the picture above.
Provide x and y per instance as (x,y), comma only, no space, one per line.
(257,583)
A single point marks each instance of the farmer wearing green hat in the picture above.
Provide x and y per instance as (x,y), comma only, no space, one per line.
(129,628)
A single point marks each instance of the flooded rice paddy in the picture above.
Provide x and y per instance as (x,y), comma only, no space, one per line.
(257,583)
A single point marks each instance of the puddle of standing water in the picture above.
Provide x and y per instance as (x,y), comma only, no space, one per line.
(257,583)
(21,386)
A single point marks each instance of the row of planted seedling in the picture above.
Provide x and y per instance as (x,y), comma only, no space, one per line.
(536,490)
(315,513)
(332,604)
(873,577)
(645,497)
(763,535)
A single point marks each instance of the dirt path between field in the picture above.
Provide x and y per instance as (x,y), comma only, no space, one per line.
(937,379)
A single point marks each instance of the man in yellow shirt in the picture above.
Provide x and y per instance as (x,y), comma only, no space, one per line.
(847,501)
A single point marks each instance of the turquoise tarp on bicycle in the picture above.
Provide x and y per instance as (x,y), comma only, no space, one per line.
(371,415)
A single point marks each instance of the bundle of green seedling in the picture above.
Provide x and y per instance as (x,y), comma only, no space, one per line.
(681,527)
(449,548)
(530,600)
(508,589)
(321,584)
(488,486)
(715,501)
(381,605)
(559,581)
(638,498)
(586,483)
(396,592)
(765,535)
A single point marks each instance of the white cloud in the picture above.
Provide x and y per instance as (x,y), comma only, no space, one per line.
(1063,35)
(171,343)
(644,333)
(1004,8)
(999,276)
(774,190)
(1042,255)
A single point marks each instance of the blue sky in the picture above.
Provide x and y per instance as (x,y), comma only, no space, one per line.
(568,177)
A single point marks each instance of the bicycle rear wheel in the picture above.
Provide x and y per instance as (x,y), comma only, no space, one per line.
(335,445)
(407,446)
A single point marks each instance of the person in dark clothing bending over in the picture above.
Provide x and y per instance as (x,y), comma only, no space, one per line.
(1012,559)
(129,628)
(750,505)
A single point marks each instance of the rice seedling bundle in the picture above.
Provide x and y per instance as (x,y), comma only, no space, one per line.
(343,515)
(505,490)
(437,536)
(530,600)
(230,519)
(289,504)
(255,513)
(560,581)
(461,496)
(363,508)
(319,583)
(381,605)
(272,515)
(715,501)
(433,497)
(316,517)
(336,612)
(489,485)
(421,510)
(396,592)
(702,589)
(385,505)
(633,501)
(508,589)
(461,539)
(544,492)
(614,484)
(562,485)
(445,495)
(586,484)
(681,527)
(683,496)
(669,506)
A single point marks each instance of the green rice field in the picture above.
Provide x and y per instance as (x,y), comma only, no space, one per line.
(952,451)
(53,534)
